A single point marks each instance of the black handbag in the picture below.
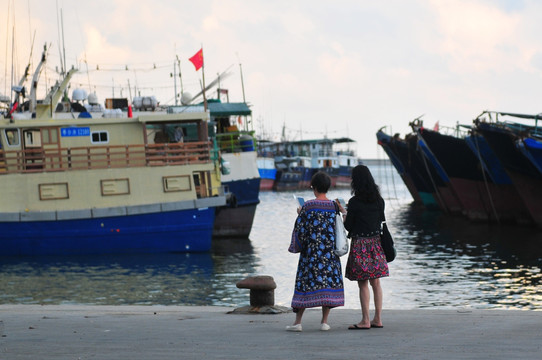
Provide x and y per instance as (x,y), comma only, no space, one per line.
(387,243)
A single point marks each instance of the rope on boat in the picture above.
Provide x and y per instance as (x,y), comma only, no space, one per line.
(485,180)
(420,150)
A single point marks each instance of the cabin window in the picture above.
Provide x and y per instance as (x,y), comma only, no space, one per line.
(49,135)
(99,137)
(12,136)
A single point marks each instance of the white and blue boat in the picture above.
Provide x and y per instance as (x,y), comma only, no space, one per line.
(76,183)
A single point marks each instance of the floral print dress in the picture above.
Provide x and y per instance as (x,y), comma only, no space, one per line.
(319,280)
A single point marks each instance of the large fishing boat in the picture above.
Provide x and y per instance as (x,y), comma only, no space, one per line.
(516,146)
(74,183)
(461,169)
(490,171)
(421,179)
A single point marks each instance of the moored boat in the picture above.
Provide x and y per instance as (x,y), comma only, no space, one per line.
(389,145)
(238,152)
(80,183)
(504,139)
(266,165)
(299,160)
(504,200)
(479,196)
(267,171)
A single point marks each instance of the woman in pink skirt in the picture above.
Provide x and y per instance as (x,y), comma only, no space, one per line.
(366,261)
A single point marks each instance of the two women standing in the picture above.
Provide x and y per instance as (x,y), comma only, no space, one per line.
(319,279)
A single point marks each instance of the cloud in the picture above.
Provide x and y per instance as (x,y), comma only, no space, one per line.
(316,65)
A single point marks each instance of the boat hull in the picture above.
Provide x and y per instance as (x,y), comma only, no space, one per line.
(243,186)
(234,222)
(268,173)
(161,232)
(524,175)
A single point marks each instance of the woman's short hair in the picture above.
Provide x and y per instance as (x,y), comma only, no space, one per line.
(321,182)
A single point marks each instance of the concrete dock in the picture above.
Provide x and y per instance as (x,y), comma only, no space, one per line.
(181,332)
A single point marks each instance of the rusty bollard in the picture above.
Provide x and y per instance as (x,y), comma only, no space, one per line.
(262,290)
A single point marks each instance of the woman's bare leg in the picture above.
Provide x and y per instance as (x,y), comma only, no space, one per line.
(364,298)
(299,315)
(377,293)
(325,314)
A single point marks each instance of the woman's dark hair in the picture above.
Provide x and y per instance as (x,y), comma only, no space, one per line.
(363,185)
(321,182)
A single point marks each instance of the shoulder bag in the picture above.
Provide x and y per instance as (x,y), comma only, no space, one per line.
(387,243)
(341,241)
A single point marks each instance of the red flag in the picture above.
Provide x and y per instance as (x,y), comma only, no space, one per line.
(436,127)
(197,59)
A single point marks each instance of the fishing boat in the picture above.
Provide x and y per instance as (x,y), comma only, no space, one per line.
(509,141)
(344,150)
(421,179)
(242,182)
(77,184)
(266,165)
(481,199)
(436,172)
(238,154)
(389,146)
(297,161)
(504,199)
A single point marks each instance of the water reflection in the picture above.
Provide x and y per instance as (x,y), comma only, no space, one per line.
(166,279)
(454,262)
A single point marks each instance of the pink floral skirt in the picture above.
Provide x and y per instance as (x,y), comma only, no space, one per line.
(366,259)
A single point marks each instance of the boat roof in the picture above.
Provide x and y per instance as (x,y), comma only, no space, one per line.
(216,108)
(323,141)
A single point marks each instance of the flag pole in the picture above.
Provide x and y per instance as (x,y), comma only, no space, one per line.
(203,80)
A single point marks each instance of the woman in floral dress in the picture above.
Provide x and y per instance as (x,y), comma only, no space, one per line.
(319,280)
(366,261)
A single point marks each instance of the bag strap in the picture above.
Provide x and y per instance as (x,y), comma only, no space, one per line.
(336,207)
(383,215)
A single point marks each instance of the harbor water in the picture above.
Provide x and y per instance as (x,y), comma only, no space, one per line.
(442,262)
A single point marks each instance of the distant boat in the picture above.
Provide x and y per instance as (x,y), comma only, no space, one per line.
(297,161)
(75,184)
(268,172)
(266,165)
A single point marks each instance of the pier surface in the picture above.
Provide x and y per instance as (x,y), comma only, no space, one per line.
(186,332)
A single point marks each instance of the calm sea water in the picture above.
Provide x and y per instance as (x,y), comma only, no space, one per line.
(442,262)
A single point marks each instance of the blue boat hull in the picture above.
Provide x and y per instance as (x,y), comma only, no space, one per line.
(174,231)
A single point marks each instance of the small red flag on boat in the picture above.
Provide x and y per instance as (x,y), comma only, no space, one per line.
(436,127)
(197,59)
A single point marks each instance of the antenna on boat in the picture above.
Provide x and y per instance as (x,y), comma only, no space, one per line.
(62,65)
(177,65)
(242,81)
(63,42)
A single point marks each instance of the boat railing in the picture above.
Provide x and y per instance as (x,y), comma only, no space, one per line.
(236,141)
(103,157)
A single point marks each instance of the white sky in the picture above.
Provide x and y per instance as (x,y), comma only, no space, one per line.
(341,68)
